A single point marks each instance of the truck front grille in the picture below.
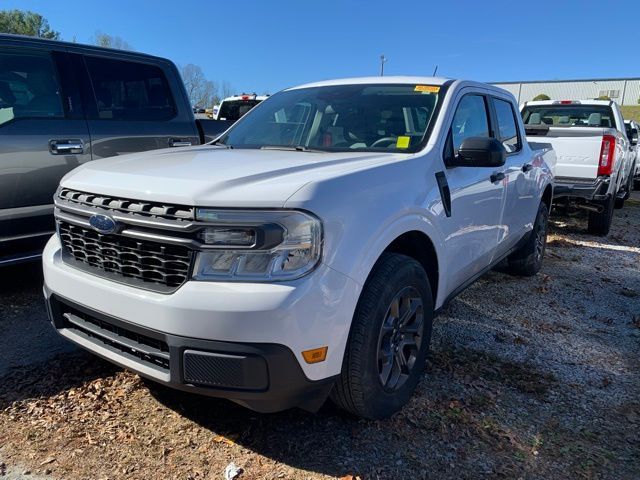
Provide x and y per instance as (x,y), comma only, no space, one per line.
(144,263)
(140,347)
(128,206)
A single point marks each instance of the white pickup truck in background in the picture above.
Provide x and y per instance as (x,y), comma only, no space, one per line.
(595,156)
(632,125)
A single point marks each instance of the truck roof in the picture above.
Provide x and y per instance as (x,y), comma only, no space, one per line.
(28,40)
(409,80)
(569,102)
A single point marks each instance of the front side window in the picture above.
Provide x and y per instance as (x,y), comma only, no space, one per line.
(368,117)
(507,127)
(470,120)
(28,87)
(129,90)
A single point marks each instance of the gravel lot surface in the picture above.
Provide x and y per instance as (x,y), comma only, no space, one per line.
(528,378)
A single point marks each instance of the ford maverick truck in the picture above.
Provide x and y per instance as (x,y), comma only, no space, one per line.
(304,252)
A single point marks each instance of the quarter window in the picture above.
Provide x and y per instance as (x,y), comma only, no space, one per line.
(507,127)
(28,87)
(129,91)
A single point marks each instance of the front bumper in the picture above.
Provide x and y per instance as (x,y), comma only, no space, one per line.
(592,190)
(231,340)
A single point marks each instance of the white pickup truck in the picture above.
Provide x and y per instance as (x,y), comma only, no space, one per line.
(632,129)
(306,250)
(595,157)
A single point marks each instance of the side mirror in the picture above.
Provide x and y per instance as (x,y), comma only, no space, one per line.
(634,136)
(479,152)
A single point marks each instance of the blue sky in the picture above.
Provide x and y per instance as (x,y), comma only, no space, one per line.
(265,46)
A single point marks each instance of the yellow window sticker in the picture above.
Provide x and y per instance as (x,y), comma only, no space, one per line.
(427,88)
(403,142)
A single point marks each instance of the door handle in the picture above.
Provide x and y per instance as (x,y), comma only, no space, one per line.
(176,142)
(527,167)
(497,177)
(66,147)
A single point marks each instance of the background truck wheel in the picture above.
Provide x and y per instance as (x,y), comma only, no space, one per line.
(389,340)
(600,223)
(527,261)
(630,183)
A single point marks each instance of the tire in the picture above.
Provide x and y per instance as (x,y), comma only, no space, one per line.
(630,183)
(637,184)
(527,261)
(398,284)
(600,223)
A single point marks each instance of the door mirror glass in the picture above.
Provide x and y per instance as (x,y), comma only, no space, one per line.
(634,136)
(479,152)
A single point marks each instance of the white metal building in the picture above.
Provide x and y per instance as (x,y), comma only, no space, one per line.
(625,91)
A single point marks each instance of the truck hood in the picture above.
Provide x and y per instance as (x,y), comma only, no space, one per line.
(216,176)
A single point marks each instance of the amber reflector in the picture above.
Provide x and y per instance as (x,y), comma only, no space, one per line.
(316,355)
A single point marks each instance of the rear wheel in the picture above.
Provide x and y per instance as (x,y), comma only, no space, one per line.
(527,261)
(630,183)
(390,335)
(600,223)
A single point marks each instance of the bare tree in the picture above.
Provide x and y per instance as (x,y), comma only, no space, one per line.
(227,90)
(202,92)
(111,41)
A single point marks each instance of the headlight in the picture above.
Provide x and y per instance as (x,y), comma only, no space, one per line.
(257,245)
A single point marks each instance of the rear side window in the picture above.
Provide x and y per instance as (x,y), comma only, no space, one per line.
(130,91)
(29,87)
(507,126)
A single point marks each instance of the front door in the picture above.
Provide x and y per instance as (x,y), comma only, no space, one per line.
(41,139)
(471,232)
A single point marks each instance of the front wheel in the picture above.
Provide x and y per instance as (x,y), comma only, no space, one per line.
(389,340)
(527,261)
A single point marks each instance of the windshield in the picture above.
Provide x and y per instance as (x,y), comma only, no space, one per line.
(569,115)
(340,118)
(234,109)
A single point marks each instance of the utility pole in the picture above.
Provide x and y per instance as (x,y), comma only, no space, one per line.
(382,60)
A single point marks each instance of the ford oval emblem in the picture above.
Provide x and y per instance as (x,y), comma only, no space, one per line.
(102,223)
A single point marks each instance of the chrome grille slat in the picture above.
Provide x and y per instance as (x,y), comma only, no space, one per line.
(124,205)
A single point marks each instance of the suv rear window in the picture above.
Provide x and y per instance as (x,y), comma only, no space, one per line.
(28,87)
(129,90)
(569,115)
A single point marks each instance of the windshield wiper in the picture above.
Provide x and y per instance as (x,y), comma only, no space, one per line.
(291,148)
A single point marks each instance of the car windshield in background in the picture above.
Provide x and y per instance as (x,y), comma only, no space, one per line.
(569,115)
(234,109)
(340,118)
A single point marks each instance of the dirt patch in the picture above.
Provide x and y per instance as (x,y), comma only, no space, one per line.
(528,378)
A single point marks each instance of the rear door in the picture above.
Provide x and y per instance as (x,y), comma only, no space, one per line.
(471,233)
(521,201)
(43,135)
(132,107)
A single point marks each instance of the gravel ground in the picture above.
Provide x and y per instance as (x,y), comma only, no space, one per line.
(528,378)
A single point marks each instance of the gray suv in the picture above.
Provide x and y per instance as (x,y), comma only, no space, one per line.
(63,104)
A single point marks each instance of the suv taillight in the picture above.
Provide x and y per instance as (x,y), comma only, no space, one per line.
(607,155)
